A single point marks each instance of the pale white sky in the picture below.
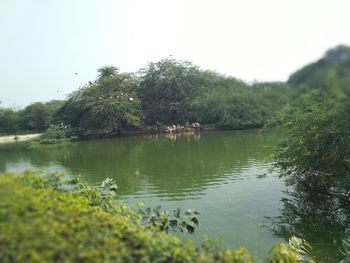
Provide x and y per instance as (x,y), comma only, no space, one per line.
(43,43)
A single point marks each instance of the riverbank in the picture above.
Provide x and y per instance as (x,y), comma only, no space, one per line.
(17,138)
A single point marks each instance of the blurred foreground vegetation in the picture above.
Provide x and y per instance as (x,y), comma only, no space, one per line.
(51,218)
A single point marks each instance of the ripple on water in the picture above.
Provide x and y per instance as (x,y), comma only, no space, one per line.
(218,175)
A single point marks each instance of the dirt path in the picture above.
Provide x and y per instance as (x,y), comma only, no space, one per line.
(21,138)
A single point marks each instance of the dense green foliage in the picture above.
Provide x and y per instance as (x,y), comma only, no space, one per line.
(56,132)
(315,157)
(250,108)
(53,136)
(171,91)
(9,121)
(36,117)
(318,142)
(163,93)
(318,125)
(167,89)
(171,221)
(43,222)
(103,107)
(175,92)
(334,67)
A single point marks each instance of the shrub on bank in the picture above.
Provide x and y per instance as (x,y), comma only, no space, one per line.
(41,221)
(54,135)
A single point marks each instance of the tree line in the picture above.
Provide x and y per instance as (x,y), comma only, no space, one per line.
(36,117)
(164,92)
(171,91)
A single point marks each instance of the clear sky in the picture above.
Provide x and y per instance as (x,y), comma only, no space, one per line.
(44,42)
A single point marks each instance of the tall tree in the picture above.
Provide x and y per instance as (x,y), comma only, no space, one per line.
(103,107)
(35,117)
(107,71)
(167,89)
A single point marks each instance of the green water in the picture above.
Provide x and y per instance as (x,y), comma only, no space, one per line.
(223,175)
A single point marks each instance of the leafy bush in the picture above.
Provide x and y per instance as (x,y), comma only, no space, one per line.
(43,220)
(53,136)
(172,221)
(56,132)
(346,250)
(318,142)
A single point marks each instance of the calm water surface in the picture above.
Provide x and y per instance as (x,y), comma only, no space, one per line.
(223,175)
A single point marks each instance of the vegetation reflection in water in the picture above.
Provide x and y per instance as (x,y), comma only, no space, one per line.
(224,175)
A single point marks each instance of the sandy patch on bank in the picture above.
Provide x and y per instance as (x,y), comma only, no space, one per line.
(20,138)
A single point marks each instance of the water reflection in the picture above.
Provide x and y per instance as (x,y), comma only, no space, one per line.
(214,173)
(321,219)
(177,165)
(224,175)
(189,136)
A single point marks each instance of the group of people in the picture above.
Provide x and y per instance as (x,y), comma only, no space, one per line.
(195,126)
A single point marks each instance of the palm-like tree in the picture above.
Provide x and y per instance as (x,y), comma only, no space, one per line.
(107,71)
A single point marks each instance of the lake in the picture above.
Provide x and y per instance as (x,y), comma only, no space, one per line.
(224,175)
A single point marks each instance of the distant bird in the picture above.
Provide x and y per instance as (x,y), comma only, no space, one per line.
(171,55)
(76,73)
(58,91)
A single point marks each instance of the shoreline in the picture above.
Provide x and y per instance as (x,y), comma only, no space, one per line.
(124,133)
(18,138)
